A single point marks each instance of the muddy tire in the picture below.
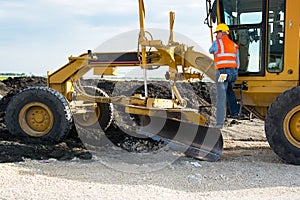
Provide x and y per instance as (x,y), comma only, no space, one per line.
(101,115)
(282,126)
(39,112)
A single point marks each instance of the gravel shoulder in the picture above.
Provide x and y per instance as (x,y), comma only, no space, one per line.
(248,169)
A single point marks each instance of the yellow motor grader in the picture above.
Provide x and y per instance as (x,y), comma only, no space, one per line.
(267,32)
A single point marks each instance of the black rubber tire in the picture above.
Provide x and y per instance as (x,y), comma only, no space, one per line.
(57,104)
(275,127)
(106,109)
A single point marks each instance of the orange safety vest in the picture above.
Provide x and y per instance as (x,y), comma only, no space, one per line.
(226,57)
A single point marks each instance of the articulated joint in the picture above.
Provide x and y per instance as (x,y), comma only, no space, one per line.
(174,76)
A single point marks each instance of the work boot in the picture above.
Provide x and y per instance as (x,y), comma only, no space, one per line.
(237,116)
(218,126)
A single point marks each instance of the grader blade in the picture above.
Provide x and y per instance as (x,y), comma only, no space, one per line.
(197,141)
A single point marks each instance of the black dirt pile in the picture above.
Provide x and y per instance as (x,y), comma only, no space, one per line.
(14,148)
(11,86)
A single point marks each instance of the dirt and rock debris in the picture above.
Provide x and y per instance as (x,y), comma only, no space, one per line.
(16,148)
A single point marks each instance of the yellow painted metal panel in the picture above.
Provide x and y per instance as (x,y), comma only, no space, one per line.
(106,71)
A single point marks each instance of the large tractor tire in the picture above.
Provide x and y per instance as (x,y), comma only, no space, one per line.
(101,114)
(282,126)
(39,112)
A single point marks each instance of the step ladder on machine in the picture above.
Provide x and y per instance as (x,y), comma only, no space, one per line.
(241,87)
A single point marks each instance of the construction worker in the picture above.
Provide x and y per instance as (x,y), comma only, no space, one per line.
(226,59)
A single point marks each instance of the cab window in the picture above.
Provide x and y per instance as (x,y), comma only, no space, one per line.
(243,12)
(276,35)
(245,18)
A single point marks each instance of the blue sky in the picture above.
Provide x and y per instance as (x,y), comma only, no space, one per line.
(37,36)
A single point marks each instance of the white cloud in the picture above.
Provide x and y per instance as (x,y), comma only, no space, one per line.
(92,7)
(37,36)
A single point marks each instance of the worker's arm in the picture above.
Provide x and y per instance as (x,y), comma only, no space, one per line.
(214,48)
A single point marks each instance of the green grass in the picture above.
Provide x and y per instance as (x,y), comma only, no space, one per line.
(3,78)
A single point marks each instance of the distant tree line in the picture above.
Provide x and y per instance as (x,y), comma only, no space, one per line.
(12,74)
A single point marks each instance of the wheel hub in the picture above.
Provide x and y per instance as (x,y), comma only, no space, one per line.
(36,119)
(89,118)
(292,126)
(295,126)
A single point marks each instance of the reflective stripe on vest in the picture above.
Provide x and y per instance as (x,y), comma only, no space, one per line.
(226,56)
(225,62)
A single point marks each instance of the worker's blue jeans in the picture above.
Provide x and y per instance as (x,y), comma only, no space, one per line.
(225,89)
